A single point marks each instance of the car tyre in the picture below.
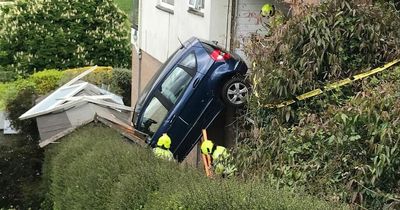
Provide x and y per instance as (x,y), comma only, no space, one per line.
(235,92)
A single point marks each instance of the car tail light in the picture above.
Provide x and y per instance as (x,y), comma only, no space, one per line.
(219,55)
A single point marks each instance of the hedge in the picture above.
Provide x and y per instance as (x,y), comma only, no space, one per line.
(60,34)
(341,145)
(20,173)
(94,168)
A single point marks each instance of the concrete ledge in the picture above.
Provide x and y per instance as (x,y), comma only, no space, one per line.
(167,10)
(195,12)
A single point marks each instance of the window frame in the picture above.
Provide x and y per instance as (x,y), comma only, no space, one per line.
(166,5)
(191,71)
(164,101)
(197,6)
(142,127)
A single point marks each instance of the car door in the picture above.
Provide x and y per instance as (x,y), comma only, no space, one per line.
(185,128)
(173,92)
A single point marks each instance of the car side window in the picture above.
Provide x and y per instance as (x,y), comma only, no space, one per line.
(153,116)
(177,81)
(175,84)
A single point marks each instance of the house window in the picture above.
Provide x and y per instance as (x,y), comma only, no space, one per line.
(196,4)
(196,7)
(167,3)
(170,2)
(166,6)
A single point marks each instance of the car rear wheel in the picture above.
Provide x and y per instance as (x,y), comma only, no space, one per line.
(235,92)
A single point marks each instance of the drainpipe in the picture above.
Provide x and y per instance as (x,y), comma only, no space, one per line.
(232,32)
(139,72)
(228,26)
(140,48)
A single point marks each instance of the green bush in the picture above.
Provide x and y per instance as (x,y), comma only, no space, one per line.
(60,34)
(3,92)
(101,75)
(335,40)
(46,81)
(343,144)
(24,99)
(7,74)
(20,169)
(203,193)
(94,168)
(121,83)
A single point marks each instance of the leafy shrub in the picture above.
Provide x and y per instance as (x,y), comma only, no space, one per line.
(93,168)
(24,99)
(20,166)
(100,76)
(60,34)
(121,83)
(46,81)
(228,194)
(7,75)
(3,92)
(335,40)
(342,145)
(348,152)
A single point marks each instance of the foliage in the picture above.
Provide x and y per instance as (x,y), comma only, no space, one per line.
(125,5)
(46,81)
(20,165)
(229,194)
(48,34)
(23,101)
(7,75)
(340,146)
(100,76)
(121,83)
(94,168)
(332,41)
(3,91)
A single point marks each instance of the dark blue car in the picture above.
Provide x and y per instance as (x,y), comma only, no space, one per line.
(188,92)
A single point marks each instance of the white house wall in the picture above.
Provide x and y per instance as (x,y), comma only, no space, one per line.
(160,30)
(2,118)
(220,22)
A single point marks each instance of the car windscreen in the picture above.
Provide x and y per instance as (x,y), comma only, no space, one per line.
(153,116)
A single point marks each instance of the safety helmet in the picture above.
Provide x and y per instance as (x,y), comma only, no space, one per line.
(164,141)
(207,146)
(268,10)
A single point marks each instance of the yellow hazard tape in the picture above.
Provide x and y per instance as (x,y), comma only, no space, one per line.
(332,86)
